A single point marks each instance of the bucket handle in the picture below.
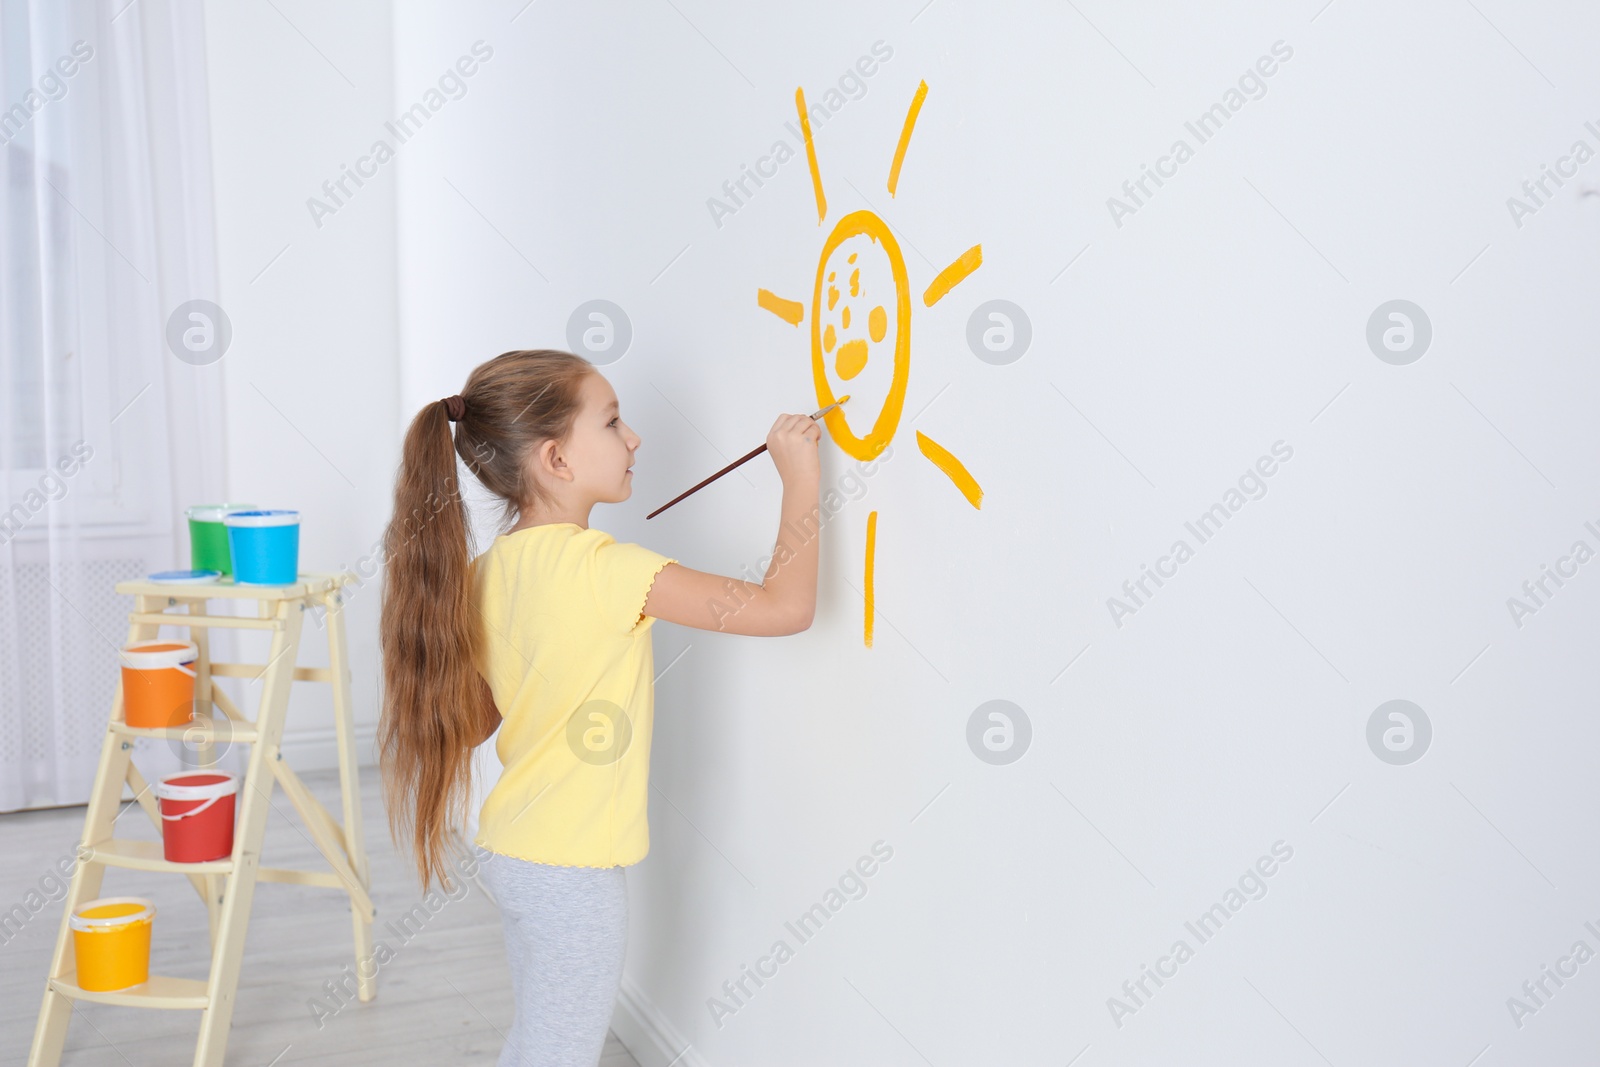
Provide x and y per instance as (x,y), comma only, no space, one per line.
(185,668)
(193,811)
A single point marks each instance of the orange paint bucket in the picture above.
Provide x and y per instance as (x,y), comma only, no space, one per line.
(111,939)
(158,683)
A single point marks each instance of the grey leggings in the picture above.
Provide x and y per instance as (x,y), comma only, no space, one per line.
(566,935)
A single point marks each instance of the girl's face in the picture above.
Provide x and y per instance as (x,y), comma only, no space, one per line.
(601,447)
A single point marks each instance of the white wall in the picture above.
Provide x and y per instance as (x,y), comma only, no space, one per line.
(1169,753)
(300,91)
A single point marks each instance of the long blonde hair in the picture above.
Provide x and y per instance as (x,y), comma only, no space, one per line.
(436,704)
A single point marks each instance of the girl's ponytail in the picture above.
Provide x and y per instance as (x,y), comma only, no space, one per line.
(435,702)
(436,705)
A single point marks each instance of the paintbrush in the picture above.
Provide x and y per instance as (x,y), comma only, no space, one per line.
(752,454)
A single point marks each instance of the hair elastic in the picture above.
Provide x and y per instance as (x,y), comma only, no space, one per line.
(454,407)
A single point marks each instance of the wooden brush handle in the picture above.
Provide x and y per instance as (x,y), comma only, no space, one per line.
(747,457)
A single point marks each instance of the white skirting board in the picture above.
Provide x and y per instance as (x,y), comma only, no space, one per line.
(315,749)
(641,1027)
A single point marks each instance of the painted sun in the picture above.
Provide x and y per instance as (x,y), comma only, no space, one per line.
(861,329)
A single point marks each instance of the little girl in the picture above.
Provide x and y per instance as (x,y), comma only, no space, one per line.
(547,636)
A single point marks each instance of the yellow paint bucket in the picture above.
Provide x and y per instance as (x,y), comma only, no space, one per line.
(111,939)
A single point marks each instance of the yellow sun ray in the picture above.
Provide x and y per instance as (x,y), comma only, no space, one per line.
(811,155)
(952,467)
(790,311)
(872,542)
(952,275)
(905,135)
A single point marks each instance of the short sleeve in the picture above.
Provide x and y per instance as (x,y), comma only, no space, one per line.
(623,574)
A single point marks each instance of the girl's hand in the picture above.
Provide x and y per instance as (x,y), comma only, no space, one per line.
(792,442)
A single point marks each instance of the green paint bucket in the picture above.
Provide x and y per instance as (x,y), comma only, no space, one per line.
(208,537)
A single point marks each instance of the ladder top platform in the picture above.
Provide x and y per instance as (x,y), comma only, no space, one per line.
(227,589)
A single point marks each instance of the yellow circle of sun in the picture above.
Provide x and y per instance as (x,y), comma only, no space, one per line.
(864,223)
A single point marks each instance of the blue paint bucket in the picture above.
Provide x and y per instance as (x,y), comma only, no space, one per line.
(265,546)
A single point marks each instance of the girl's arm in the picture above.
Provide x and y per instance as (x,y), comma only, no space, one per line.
(786,601)
(490,715)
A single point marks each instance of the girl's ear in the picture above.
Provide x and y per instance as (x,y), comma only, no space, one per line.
(548,461)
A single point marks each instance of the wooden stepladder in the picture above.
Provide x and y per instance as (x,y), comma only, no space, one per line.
(226,885)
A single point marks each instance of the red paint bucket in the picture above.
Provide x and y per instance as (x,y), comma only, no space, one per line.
(197,815)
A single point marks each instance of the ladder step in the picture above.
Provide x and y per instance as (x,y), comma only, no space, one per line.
(221,730)
(295,877)
(224,622)
(305,584)
(255,671)
(158,992)
(149,856)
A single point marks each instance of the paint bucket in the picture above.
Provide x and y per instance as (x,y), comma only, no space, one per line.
(197,815)
(265,546)
(208,537)
(158,683)
(111,939)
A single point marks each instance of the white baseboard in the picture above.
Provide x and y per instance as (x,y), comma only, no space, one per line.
(318,749)
(653,1041)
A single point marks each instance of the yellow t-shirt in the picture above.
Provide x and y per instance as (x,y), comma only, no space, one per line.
(569,659)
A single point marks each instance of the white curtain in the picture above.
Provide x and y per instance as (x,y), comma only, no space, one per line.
(106,229)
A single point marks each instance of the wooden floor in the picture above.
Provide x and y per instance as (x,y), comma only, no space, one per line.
(444,997)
